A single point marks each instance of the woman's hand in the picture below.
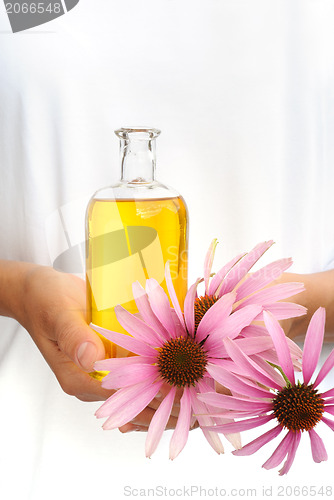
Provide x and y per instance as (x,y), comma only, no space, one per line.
(319,291)
(51,306)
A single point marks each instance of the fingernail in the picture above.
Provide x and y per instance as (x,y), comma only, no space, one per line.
(86,355)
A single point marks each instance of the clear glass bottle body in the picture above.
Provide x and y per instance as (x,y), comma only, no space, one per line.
(132,229)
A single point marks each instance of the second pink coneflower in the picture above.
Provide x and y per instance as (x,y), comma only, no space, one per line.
(296,407)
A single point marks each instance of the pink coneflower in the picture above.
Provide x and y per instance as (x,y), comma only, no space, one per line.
(182,350)
(166,353)
(249,288)
(294,406)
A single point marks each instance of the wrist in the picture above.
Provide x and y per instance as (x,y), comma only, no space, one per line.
(13,279)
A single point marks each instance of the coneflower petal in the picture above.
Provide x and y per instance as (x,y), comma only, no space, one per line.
(215,315)
(159,422)
(234,403)
(294,349)
(232,325)
(123,377)
(160,305)
(328,394)
(208,263)
(232,382)
(217,279)
(125,341)
(145,310)
(189,311)
(283,310)
(328,422)
(254,331)
(137,327)
(204,386)
(181,432)
(173,297)
(329,409)
(128,402)
(281,345)
(249,345)
(313,343)
(242,425)
(116,363)
(273,293)
(248,364)
(263,277)
(201,412)
(257,443)
(267,368)
(239,271)
(232,414)
(280,453)
(325,369)
(291,453)
(132,408)
(319,453)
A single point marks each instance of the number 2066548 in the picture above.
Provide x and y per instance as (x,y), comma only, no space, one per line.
(305,491)
(33,8)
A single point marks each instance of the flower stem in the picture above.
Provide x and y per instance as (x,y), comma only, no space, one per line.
(287,381)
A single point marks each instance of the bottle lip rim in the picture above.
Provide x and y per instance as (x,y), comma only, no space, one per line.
(124,132)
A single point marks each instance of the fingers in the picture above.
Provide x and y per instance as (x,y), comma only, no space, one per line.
(71,378)
(140,424)
(142,421)
(164,390)
(132,428)
(222,390)
(77,341)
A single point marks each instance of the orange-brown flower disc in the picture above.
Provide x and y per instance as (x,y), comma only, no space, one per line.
(201,306)
(182,361)
(299,407)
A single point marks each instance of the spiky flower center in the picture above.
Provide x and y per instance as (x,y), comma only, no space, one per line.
(201,306)
(298,407)
(182,361)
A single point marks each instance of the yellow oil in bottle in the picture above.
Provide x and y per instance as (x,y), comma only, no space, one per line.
(130,240)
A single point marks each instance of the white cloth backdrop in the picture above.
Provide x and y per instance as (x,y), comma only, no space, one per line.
(243,94)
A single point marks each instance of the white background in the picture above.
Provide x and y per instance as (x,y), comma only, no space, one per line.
(243,94)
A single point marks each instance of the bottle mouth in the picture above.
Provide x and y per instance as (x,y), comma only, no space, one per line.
(139,133)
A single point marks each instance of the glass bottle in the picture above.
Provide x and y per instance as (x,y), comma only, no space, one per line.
(132,229)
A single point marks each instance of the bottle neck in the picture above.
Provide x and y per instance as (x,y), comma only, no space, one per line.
(137,153)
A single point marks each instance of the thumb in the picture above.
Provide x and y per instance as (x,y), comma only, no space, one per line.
(88,353)
(80,343)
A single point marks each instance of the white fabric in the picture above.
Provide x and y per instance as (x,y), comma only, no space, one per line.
(243,93)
